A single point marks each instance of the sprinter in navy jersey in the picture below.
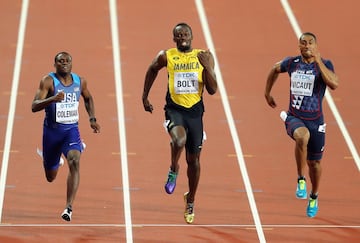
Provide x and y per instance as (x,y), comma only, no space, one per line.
(309,76)
(59,94)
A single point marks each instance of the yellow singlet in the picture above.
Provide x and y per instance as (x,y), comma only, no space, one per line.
(185,77)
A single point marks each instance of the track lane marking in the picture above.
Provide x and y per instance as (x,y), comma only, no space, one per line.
(231,123)
(121,118)
(245,226)
(12,105)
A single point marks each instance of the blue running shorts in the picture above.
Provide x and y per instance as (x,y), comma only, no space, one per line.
(316,128)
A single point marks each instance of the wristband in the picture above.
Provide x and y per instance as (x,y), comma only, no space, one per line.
(92,119)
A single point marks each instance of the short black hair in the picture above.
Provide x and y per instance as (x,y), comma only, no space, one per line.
(61,53)
(182,24)
(308,33)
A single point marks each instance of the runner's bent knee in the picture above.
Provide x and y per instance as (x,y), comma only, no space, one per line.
(301,135)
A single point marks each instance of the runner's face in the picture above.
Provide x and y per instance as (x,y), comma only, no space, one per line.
(63,63)
(307,44)
(183,38)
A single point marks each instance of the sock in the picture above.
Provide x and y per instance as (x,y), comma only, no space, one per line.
(301,178)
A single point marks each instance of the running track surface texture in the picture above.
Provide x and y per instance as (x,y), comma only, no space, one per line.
(248,180)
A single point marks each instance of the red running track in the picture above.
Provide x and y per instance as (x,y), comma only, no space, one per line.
(249,36)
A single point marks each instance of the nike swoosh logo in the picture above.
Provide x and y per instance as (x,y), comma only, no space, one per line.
(71,144)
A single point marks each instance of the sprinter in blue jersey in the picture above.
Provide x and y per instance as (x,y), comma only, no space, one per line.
(59,94)
(309,76)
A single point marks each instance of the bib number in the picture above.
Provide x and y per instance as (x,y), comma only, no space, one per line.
(186,82)
(302,84)
(67,112)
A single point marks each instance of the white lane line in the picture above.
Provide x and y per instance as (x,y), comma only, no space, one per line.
(247,226)
(328,97)
(121,118)
(231,123)
(13,96)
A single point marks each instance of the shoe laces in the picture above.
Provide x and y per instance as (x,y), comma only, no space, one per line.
(301,184)
(172,176)
(189,208)
(312,203)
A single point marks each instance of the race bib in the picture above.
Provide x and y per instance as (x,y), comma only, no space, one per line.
(67,112)
(302,84)
(186,82)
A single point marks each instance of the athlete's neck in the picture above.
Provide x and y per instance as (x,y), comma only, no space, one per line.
(184,48)
(308,59)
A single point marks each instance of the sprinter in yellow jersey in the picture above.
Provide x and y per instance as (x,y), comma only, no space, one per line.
(189,72)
